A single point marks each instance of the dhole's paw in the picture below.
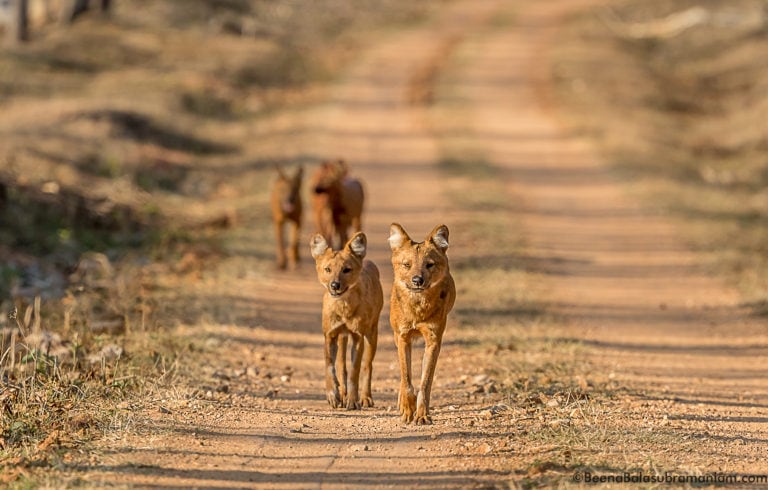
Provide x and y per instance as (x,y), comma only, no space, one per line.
(407,403)
(333,398)
(406,414)
(352,403)
(422,418)
(367,401)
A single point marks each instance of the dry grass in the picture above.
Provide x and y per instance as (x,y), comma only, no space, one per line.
(68,364)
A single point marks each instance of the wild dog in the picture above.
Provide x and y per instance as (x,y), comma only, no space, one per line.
(337,200)
(423,292)
(351,307)
(286,207)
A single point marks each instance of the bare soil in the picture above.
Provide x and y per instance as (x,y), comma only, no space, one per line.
(586,336)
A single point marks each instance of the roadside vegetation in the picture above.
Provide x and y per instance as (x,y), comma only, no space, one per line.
(675,92)
(126,170)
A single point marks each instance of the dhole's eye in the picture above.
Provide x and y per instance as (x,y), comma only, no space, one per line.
(346,270)
(406,265)
(430,265)
(327,269)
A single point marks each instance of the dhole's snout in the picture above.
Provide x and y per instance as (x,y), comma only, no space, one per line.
(418,282)
(334,287)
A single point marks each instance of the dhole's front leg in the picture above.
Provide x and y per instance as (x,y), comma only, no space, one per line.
(280,244)
(406,399)
(341,366)
(431,352)
(356,223)
(369,352)
(341,226)
(331,382)
(356,354)
(324,223)
(294,244)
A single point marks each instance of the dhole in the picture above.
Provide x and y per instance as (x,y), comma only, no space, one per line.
(351,306)
(337,201)
(423,292)
(286,208)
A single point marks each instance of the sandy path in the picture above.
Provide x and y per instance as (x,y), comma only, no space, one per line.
(618,277)
(290,438)
(619,273)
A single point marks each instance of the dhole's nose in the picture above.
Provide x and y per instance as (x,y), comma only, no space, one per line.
(335,286)
(417,281)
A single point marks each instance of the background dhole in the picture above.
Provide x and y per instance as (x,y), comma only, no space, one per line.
(337,202)
(286,205)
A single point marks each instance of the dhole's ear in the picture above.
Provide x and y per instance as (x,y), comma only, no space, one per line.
(280,172)
(397,236)
(439,237)
(318,246)
(299,173)
(358,244)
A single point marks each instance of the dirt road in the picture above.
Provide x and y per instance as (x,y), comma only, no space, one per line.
(672,345)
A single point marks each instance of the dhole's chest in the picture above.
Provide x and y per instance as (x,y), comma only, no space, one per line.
(343,313)
(431,305)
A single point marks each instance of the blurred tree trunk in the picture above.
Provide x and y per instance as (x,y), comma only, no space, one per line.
(20,27)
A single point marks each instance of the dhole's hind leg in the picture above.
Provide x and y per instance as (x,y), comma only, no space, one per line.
(369,352)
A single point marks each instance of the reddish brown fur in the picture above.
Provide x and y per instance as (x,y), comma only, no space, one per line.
(337,201)
(423,292)
(351,307)
(286,207)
